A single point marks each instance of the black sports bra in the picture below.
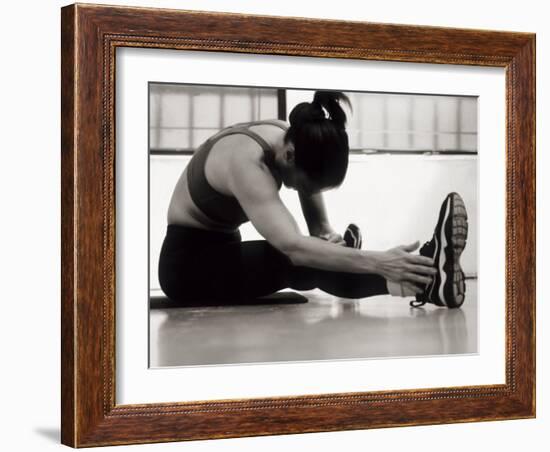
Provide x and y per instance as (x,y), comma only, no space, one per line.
(221,208)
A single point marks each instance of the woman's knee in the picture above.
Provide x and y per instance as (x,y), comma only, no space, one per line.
(278,267)
(303,278)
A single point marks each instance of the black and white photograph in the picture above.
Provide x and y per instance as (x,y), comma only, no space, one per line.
(290,225)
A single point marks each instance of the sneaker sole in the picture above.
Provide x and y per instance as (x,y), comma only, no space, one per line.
(451,237)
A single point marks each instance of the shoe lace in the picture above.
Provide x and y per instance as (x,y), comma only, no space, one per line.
(416,303)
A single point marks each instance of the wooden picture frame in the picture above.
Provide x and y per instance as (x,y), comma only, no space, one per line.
(90,35)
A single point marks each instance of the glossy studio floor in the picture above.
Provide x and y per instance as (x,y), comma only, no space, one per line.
(324,328)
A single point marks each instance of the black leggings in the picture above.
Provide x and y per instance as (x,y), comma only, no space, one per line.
(197,265)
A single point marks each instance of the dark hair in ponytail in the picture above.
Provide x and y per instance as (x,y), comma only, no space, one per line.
(318,132)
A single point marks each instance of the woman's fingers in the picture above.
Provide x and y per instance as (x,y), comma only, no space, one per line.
(414,277)
(410,248)
(421,260)
(423,269)
(334,238)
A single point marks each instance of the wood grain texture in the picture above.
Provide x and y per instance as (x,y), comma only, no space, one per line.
(90,36)
(68,244)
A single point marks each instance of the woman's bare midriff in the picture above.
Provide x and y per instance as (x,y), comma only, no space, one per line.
(183,211)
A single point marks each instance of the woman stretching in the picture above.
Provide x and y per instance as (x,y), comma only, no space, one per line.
(235,177)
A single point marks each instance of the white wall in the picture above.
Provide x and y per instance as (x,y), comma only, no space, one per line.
(30,243)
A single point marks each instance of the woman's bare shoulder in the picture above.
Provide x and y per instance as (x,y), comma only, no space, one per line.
(251,160)
(281,122)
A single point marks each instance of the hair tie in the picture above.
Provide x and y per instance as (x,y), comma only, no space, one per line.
(318,112)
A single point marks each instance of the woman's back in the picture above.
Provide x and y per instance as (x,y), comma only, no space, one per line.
(202,197)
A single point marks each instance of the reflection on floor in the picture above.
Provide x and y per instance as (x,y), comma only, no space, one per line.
(325,328)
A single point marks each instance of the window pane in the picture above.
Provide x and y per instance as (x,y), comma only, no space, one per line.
(184,116)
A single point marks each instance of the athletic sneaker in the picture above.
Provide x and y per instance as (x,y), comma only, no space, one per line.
(353,237)
(447,287)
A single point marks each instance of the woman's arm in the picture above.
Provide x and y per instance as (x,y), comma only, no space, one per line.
(315,214)
(254,187)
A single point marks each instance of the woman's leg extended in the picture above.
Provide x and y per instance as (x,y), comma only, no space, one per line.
(255,268)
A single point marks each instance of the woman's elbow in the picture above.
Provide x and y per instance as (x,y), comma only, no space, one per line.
(292,248)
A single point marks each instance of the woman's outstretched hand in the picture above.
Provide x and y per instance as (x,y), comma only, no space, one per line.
(398,264)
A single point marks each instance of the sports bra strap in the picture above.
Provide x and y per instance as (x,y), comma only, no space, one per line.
(273,122)
(243,128)
(255,137)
